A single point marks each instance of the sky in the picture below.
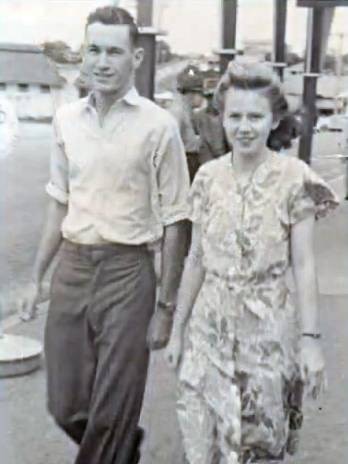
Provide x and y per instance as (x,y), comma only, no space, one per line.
(191,25)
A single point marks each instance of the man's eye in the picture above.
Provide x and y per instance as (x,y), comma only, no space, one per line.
(234,116)
(115,52)
(255,116)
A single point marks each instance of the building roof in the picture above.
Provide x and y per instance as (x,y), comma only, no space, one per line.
(21,63)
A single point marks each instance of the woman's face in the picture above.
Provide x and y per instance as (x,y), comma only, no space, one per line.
(248,120)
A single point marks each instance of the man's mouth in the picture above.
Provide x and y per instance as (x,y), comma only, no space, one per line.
(103,76)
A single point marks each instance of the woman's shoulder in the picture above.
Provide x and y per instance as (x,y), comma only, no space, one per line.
(214,167)
(293,168)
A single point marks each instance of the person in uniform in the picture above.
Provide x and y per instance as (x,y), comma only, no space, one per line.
(208,122)
(188,100)
(119,183)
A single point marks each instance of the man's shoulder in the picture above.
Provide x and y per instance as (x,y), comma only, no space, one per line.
(71,109)
(158,116)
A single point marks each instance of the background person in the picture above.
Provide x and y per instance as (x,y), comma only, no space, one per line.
(249,353)
(208,123)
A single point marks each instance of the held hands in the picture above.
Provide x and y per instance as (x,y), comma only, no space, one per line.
(313,367)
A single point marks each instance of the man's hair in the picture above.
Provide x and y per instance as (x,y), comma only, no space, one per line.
(112,15)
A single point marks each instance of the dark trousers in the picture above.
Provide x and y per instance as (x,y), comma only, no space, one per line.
(102,299)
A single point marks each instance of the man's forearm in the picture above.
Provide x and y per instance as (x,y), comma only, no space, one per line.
(50,240)
(173,255)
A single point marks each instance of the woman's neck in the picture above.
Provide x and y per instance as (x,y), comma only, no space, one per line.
(245,164)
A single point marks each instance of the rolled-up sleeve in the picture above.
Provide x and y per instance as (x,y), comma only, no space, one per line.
(58,185)
(172,175)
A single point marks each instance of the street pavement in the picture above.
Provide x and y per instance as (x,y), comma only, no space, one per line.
(27,433)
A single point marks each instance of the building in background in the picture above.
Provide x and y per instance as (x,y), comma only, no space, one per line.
(28,79)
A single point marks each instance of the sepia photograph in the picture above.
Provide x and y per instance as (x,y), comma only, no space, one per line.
(173,231)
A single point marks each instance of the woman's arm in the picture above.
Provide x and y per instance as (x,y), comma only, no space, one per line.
(191,282)
(303,261)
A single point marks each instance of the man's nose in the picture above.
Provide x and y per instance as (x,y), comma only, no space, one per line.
(103,61)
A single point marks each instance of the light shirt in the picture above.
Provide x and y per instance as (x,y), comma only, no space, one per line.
(124,181)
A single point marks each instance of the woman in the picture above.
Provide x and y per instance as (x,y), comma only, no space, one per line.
(248,356)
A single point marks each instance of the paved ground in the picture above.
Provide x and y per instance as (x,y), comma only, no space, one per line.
(27,435)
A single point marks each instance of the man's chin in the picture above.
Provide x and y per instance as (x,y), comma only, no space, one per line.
(105,88)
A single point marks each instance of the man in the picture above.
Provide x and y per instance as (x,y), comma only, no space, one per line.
(188,99)
(118,183)
(208,122)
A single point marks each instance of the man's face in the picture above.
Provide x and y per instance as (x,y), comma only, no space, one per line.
(110,58)
(195,99)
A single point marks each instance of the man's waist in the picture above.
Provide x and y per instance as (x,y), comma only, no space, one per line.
(102,250)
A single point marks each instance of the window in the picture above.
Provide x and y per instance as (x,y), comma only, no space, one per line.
(23,87)
(45,88)
(2,86)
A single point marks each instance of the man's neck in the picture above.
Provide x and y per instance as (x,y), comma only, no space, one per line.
(104,101)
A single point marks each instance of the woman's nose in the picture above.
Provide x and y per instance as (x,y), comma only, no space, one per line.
(244,125)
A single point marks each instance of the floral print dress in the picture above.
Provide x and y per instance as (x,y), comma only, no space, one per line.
(240,387)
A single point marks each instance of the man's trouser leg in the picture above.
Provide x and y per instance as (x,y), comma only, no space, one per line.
(102,300)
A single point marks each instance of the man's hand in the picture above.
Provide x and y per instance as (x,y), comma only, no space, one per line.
(28,303)
(159,330)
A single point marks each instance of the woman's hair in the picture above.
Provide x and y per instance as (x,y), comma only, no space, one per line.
(261,78)
(115,16)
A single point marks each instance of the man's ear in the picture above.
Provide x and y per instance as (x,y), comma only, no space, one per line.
(138,56)
(275,124)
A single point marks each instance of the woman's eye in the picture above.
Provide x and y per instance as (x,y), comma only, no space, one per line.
(234,116)
(92,51)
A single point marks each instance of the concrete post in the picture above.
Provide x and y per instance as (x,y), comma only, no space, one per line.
(145,13)
(145,77)
(312,72)
(279,44)
(229,32)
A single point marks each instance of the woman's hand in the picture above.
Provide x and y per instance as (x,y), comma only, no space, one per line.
(173,351)
(313,367)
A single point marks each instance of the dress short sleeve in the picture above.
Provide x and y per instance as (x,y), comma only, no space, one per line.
(198,196)
(309,194)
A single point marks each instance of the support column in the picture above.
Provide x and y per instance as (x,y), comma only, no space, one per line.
(145,13)
(229,33)
(145,77)
(279,36)
(312,72)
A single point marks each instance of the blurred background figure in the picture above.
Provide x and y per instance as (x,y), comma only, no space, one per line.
(188,99)
(8,127)
(164,99)
(208,123)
